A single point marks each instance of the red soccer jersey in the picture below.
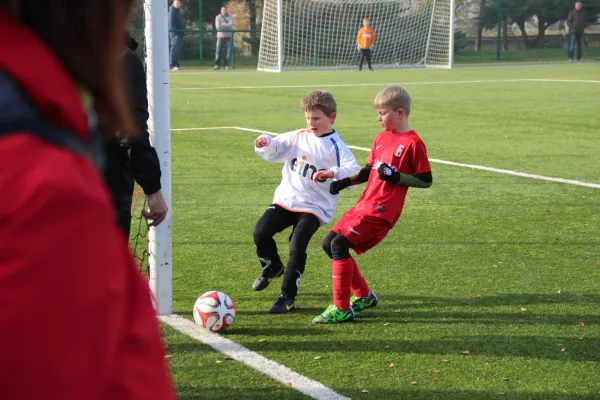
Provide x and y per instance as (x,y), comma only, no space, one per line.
(404,153)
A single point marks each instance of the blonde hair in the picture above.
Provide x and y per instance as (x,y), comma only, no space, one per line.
(395,97)
(319,100)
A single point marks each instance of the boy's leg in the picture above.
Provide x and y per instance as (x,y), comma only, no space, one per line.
(579,38)
(343,270)
(361,59)
(369,59)
(327,243)
(304,230)
(274,220)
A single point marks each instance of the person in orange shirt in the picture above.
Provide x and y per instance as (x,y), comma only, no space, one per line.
(365,42)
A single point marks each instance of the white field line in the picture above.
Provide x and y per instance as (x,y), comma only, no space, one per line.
(434,160)
(238,352)
(386,84)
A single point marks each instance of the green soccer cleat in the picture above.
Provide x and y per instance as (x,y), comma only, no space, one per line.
(362,303)
(333,315)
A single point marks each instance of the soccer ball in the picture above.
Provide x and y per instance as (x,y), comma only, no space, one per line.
(214,310)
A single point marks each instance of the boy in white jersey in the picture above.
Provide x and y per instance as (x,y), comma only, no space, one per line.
(312,157)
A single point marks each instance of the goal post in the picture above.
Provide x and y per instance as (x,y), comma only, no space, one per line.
(321,34)
(149,22)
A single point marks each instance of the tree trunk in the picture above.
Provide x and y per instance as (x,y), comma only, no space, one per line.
(478,37)
(253,37)
(505,32)
(521,25)
(541,36)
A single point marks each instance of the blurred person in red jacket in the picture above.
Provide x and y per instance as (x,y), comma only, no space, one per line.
(76,319)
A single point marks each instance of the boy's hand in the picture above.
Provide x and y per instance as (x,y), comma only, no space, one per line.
(357,46)
(372,48)
(337,186)
(322,175)
(261,142)
(386,173)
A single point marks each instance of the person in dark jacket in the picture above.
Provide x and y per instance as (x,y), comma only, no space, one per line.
(175,24)
(576,22)
(134,158)
(76,316)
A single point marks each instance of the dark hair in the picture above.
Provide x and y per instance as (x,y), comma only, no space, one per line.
(87,37)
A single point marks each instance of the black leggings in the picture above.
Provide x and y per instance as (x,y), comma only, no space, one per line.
(337,246)
(364,53)
(274,220)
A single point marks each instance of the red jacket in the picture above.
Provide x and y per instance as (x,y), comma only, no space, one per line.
(76,319)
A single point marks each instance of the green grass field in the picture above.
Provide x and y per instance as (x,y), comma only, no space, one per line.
(489,284)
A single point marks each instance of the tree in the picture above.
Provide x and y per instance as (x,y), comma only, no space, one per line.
(520,12)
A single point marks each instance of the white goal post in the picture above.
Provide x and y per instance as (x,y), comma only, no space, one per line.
(157,71)
(321,34)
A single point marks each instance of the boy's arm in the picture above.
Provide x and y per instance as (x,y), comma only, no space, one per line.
(422,180)
(277,148)
(347,164)
(422,177)
(360,177)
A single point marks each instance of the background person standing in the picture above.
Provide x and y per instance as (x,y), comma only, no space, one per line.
(224,23)
(175,24)
(576,22)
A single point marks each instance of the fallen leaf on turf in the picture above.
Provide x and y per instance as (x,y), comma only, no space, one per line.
(341,342)
(317,358)
(398,310)
(523,309)
(168,355)
(560,291)
(246,270)
(289,384)
(230,259)
(386,324)
(466,352)
(261,340)
(218,361)
(478,295)
(386,347)
(501,393)
(580,323)
(372,375)
(413,383)
(547,211)
(443,360)
(563,349)
(494,266)
(435,371)
(435,379)
(392,365)
(365,391)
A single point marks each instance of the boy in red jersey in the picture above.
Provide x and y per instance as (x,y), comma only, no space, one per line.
(398,160)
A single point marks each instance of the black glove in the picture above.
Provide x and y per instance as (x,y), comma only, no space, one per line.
(386,173)
(337,186)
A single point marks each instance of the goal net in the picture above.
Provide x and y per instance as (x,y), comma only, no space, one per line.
(321,34)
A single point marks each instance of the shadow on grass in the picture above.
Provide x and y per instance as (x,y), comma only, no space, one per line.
(241,393)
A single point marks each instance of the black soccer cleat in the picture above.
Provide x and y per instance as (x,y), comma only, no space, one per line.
(263,280)
(282,305)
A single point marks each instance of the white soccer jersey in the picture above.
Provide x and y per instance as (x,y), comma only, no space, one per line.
(303,154)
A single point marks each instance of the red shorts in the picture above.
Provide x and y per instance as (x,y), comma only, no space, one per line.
(363,232)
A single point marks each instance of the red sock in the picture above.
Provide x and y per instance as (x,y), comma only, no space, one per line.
(342,280)
(359,284)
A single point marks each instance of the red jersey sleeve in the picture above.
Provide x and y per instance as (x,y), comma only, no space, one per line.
(372,156)
(420,159)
